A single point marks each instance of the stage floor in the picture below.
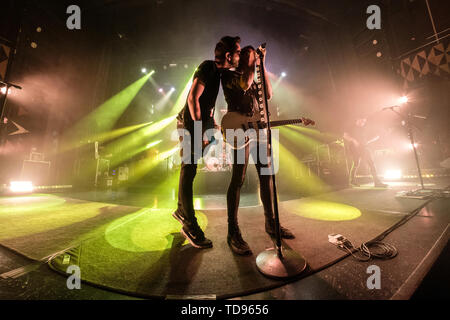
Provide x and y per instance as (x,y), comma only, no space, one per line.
(133,251)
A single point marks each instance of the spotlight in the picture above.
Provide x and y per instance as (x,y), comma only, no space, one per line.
(172,89)
(393,174)
(283,74)
(21,186)
(144,70)
(150,145)
(3,90)
(403,100)
(410,146)
(160,90)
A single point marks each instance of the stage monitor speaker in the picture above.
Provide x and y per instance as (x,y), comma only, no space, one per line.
(38,172)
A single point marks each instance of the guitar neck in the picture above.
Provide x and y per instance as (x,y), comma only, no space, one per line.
(285,122)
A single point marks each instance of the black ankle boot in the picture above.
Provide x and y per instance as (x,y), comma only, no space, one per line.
(284,232)
(236,243)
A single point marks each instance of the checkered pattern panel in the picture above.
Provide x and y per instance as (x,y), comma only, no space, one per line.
(4,56)
(431,60)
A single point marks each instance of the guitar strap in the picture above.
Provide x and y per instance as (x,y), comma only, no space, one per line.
(261,94)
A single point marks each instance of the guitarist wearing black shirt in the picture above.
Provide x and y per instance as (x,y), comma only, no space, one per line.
(356,142)
(240,92)
(200,107)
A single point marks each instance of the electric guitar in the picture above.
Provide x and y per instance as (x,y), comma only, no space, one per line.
(235,121)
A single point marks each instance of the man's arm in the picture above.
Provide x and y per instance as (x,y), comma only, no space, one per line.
(350,139)
(193,99)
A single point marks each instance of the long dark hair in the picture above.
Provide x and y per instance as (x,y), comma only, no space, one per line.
(245,55)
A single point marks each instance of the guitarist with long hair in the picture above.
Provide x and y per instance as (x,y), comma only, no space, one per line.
(241,91)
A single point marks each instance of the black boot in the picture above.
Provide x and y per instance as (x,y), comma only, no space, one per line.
(284,232)
(379,184)
(354,184)
(236,243)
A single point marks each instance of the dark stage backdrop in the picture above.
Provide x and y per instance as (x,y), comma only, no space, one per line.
(63,75)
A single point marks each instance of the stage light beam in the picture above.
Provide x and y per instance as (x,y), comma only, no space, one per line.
(106,115)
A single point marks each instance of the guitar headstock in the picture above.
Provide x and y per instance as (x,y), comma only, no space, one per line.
(307,121)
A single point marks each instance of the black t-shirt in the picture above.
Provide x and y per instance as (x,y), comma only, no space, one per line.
(357,133)
(237,99)
(209,75)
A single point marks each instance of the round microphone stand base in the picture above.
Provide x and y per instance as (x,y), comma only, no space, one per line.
(287,265)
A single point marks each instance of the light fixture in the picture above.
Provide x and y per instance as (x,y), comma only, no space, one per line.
(403,100)
(393,174)
(410,146)
(21,186)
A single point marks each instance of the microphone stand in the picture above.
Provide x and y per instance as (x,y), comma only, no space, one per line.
(407,120)
(276,262)
(421,193)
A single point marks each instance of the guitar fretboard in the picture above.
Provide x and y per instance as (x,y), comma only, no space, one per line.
(285,122)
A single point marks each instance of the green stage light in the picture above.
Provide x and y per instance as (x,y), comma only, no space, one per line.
(43,213)
(150,145)
(128,146)
(102,137)
(164,100)
(157,127)
(323,137)
(107,114)
(182,97)
(299,141)
(322,210)
(287,162)
(147,230)
(34,202)
(103,118)
(144,166)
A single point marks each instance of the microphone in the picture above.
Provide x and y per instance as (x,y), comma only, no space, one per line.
(391,107)
(11,85)
(262,46)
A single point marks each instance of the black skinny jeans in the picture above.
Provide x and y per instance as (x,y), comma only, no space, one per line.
(187,174)
(237,180)
(357,155)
